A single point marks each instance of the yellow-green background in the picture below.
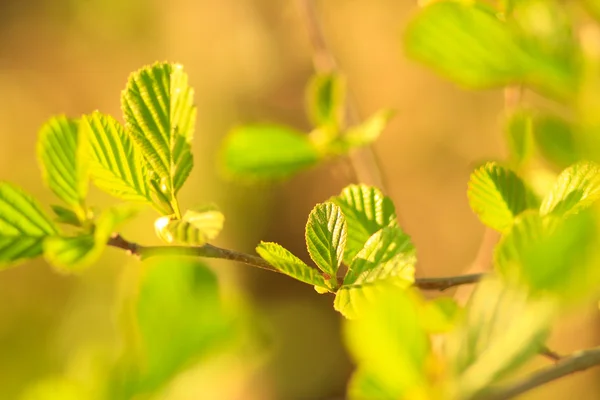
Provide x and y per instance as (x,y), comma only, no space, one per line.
(248,61)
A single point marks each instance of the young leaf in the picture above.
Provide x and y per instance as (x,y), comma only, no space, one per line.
(23,226)
(62,153)
(497,195)
(117,166)
(289,264)
(550,254)
(196,228)
(387,254)
(65,216)
(267,152)
(325,100)
(519,135)
(555,140)
(502,329)
(367,132)
(440,315)
(181,319)
(467,44)
(160,116)
(389,345)
(74,253)
(576,188)
(326,237)
(366,210)
(352,301)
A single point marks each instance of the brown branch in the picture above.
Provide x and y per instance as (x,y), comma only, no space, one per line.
(206,251)
(210,251)
(577,362)
(444,283)
(364,161)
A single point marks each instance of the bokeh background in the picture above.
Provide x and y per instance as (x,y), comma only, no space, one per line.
(248,61)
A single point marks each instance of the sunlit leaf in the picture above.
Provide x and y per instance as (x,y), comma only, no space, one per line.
(23,225)
(544,28)
(62,153)
(519,135)
(325,99)
(195,228)
(117,166)
(289,264)
(159,111)
(58,388)
(387,254)
(555,140)
(550,254)
(467,44)
(65,215)
(497,195)
(368,131)
(181,319)
(440,315)
(267,152)
(366,210)
(75,253)
(502,329)
(576,188)
(326,237)
(366,385)
(389,346)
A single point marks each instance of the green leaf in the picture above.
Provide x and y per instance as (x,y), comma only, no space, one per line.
(368,131)
(366,210)
(519,135)
(267,152)
(326,237)
(65,216)
(502,329)
(160,116)
(196,228)
(325,99)
(366,385)
(389,346)
(551,254)
(331,143)
(23,225)
(497,195)
(555,140)
(576,188)
(117,166)
(62,153)
(289,264)
(75,253)
(466,44)
(387,260)
(440,315)
(387,253)
(181,320)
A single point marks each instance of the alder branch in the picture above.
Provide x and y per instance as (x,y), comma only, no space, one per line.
(577,362)
(210,251)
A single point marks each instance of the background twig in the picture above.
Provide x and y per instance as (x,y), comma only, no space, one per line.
(576,363)
(364,161)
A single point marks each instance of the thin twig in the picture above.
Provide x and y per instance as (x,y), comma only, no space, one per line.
(364,161)
(444,283)
(577,362)
(210,251)
(550,354)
